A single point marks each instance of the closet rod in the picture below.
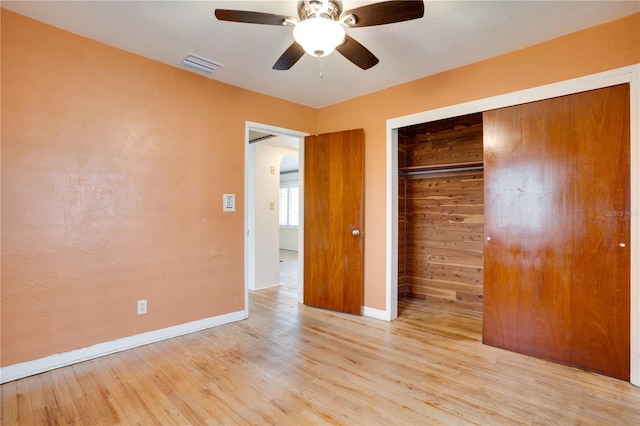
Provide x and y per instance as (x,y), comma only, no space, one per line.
(443,170)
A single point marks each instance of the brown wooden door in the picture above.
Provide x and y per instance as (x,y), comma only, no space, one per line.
(333,213)
(557,260)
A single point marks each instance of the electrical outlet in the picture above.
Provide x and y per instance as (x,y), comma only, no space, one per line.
(142,307)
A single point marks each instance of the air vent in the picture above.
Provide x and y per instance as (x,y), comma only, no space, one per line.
(201,64)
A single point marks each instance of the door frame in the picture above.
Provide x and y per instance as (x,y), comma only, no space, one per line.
(629,74)
(249,206)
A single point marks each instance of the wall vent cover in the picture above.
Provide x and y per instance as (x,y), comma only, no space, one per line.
(199,63)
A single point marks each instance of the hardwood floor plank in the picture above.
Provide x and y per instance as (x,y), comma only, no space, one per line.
(38,402)
(57,395)
(96,407)
(142,390)
(10,412)
(23,398)
(292,364)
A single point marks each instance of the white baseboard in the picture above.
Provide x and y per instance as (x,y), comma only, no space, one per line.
(29,368)
(374,313)
(266,286)
(288,248)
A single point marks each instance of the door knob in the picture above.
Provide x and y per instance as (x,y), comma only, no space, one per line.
(622,245)
(355,232)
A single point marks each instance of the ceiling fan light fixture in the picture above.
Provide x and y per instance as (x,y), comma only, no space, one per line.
(319,36)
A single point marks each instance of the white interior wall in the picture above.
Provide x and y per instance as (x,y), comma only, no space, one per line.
(267,229)
(289,239)
(250,220)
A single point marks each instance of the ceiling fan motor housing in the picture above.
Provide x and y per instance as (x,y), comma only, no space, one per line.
(330,9)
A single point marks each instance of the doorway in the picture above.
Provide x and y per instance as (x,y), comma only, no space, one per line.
(441,217)
(265,146)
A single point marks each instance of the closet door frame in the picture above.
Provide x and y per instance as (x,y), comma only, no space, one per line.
(630,75)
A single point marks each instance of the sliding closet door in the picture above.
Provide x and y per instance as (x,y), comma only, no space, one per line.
(557,207)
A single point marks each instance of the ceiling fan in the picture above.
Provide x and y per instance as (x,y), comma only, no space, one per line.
(321,27)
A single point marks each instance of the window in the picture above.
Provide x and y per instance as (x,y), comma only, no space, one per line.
(289,205)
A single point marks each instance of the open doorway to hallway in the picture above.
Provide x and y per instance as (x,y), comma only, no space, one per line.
(273,207)
(289,222)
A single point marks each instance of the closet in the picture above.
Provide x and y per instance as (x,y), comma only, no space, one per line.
(524,212)
(441,211)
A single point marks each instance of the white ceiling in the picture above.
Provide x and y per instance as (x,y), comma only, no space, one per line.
(452,34)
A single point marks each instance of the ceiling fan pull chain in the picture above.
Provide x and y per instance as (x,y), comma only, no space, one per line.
(321,68)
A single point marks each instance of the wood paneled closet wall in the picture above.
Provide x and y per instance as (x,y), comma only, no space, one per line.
(441,211)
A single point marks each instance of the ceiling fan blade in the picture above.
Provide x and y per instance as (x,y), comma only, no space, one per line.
(386,12)
(289,57)
(251,17)
(357,53)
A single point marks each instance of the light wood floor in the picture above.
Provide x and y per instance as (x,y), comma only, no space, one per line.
(290,364)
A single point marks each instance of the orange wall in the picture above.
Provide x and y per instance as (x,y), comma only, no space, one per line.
(113,170)
(609,46)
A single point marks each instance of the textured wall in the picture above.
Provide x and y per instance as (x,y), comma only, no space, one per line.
(113,170)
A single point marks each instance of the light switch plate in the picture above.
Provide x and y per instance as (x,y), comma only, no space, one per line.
(228,202)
